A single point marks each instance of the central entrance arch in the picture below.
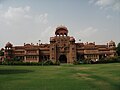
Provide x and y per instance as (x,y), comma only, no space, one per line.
(63,59)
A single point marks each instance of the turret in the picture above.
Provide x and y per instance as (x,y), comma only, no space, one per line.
(112,44)
(8,50)
(61,31)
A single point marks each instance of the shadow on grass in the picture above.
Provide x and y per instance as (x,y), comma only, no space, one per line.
(14,71)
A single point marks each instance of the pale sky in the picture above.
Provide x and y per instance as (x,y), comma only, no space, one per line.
(27,21)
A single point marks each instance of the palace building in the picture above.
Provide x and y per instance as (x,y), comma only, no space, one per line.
(61,47)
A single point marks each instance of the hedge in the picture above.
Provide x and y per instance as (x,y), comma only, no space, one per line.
(48,62)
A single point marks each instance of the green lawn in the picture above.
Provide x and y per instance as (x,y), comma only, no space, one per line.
(64,77)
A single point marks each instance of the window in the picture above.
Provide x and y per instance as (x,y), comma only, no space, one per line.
(52,48)
(72,48)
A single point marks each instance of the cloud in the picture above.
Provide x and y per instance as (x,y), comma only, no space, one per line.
(88,32)
(108,16)
(1,6)
(27,8)
(104,3)
(14,14)
(42,18)
(21,15)
(107,4)
(116,6)
(20,24)
(47,33)
(91,1)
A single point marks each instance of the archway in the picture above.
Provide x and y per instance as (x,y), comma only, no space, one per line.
(63,59)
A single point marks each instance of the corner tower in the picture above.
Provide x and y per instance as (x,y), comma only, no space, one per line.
(9,51)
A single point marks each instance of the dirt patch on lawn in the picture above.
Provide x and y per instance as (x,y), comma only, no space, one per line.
(82,76)
(81,68)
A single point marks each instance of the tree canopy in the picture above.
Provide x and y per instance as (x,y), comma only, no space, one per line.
(118,49)
(1,53)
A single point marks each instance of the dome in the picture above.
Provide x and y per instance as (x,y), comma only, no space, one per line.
(111,43)
(2,49)
(63,27)
(72,39)
(61,30)
(8,45)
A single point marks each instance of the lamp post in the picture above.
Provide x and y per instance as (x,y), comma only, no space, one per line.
(42,56)
(39,41)
(79,39)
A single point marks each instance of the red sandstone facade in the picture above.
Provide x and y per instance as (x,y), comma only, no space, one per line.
(62,47)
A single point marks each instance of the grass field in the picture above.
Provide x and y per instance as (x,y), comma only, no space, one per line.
(64,77)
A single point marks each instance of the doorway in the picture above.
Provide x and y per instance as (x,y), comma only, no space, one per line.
(63,59)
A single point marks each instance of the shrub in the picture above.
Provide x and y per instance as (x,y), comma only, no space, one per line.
(48,62)
(109,60)
(57,62)
(87,61)
(12,62)
(75,62)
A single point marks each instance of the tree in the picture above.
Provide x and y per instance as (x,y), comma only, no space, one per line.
(1,53)
(118,49)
